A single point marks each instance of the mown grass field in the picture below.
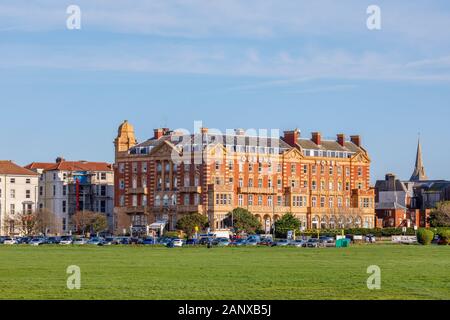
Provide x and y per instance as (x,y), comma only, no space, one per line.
(408,272)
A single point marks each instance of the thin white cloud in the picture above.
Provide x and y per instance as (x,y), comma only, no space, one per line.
(235,18)
(276,28)
(222,61)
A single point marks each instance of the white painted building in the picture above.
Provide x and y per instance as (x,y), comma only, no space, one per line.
(18,194)
(61,194)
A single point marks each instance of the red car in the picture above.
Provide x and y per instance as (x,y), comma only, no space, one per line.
(266,242)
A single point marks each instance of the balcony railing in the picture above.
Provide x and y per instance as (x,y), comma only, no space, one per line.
(268,209)
(190,208)
(137,210)
(341,211)
(296,190)
(256,190)
(137,191)
(360,192)
(221,188)
(191,189)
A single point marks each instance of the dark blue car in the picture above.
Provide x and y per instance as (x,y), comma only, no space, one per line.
(192,242)
(149,241)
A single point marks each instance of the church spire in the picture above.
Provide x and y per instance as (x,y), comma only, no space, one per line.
(419,170)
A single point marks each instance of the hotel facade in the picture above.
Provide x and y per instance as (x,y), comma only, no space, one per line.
(324,183)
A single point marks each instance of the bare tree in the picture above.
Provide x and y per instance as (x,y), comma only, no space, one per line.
(42,221)
(81,221)
(46,222)
(26,223)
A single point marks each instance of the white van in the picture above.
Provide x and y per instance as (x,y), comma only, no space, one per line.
(222,234)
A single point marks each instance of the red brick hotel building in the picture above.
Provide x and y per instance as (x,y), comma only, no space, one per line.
(324,183)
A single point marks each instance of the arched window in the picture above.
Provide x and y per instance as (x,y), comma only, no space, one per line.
(174,200)
(157,201)
(315,222)
(358,222)
(341,222)
(333,222)
(350,222)
(324,222)
(166,200)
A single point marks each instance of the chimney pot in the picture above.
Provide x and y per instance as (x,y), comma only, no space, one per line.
(317,138)
(158,133)
(356,140)
(291,137)
(239,132)
(341,139)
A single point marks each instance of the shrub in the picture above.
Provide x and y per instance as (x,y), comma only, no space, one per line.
(425,236)
(445,236)
(171,234)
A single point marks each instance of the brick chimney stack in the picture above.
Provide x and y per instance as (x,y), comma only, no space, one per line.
(317,138)
(159,133)
(341,139)
(166,131)
(356,140)
(390,178)
(291,137)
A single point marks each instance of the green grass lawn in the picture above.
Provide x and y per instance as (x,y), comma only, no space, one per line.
(408,272)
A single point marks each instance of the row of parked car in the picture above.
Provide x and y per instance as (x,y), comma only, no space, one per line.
(254,241)
(175,242)
(69,240)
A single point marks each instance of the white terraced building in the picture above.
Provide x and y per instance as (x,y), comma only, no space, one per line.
(18,194)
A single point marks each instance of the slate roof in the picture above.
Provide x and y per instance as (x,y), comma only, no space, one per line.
(389,205)
(384,186)
(234,140)
(329,145)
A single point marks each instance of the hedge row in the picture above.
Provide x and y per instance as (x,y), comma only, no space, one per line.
(378,232)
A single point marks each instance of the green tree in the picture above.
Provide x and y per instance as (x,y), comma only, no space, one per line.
(440,217)
(287,223)
(243,220)
(188,223)
(99,223)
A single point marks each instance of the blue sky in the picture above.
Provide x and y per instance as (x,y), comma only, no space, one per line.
(251,64)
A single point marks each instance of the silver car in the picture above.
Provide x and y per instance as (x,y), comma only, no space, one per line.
(298,243)
(10,241)
(251,242)
(66,240)
(281,243)
(37,242)
(80,241)
(96,241)
(221,242)
(313,243)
